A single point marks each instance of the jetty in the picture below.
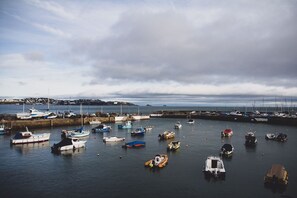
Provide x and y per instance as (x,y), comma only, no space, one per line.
(276,118)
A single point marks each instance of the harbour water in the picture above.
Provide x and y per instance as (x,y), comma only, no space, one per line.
(107,170)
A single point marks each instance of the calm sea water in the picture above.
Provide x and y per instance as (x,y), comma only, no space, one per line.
(33,171)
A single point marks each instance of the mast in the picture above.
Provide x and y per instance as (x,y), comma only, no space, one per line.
(81,115)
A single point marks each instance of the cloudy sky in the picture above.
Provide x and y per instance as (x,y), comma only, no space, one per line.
(148,51)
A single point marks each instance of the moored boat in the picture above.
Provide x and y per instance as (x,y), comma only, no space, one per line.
(191,121)
(28,137)
(138,131)
(227,150)
(113,139)
(214,166)
(166,135)
(227,133)
(177,125)
(173,146)
(276,175)
(2,129)
(250,139)
(68,144)
(127,125)
(148,128)
(160,161)
(101,128)
(281,137)
(134,144)
(94,122)
(77,133)
(270,136)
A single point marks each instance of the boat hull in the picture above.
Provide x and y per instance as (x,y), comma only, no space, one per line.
(33,139)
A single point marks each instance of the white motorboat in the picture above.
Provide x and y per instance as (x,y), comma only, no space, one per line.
(28,137)
(270,136)
(177,125)
(191,121)
(113,139)
(68,144)
(94,122)
(214,166)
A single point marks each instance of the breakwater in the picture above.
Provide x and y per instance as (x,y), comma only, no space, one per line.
(45,123)
(221,116)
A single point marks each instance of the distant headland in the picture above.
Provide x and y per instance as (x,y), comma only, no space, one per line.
(39,101)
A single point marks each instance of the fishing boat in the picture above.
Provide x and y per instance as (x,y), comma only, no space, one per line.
(250,139)
(173,146)
(101,128)
(159,161)
(113,139)
(214,166)
(134,144)
(77,133)
(270,136)
(127,125)
(28,137)
(227,150)
(227,133)
(276,175)
(177,125)
(166,135)
(138,131)
(68,144)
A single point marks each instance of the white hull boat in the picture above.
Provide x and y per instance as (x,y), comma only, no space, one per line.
(28,137)
(214,166)
(68,144)
(113,139)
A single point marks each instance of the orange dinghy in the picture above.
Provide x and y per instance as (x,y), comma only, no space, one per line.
(160,160)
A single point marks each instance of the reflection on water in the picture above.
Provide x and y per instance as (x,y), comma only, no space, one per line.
(26,148)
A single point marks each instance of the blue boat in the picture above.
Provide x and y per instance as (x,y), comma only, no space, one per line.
(101,128)
(127,125)
(138,131)
(134,144)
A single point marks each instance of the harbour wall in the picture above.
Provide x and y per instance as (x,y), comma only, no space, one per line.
(289,121)
(45,123)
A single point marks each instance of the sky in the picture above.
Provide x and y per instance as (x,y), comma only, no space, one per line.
(150,51)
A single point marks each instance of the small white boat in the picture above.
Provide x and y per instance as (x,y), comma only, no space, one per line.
(68,144)
(177,125)
(28,137)
(94,122)
(2,129)
(214,166)
(270,136)
(191,121)
(113,139)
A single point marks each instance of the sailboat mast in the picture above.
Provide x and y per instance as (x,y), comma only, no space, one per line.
(81,115)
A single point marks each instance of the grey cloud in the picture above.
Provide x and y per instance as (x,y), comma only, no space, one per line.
(243,43)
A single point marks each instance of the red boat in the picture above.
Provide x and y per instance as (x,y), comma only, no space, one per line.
(227,133)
